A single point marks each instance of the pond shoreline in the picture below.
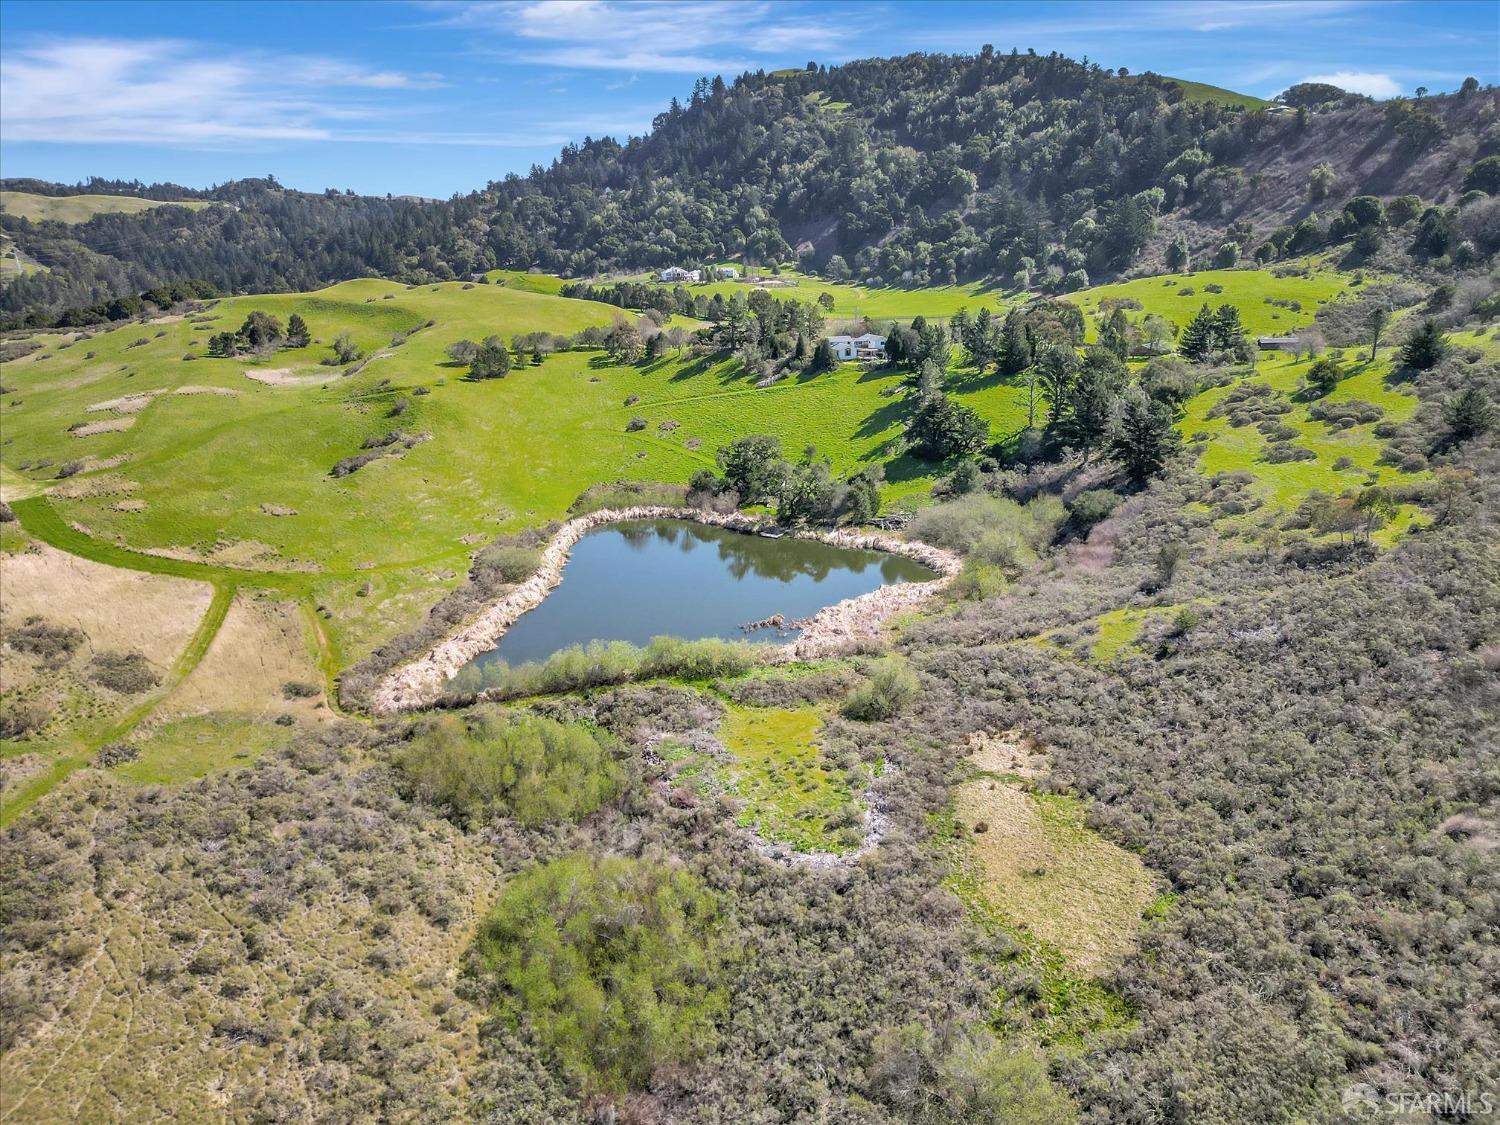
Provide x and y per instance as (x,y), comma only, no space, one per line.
(419,682)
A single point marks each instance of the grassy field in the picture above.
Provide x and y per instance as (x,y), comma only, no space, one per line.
(1047,873)
(1178,297)
(229,476)
(82,208)
(852,301)
(1202,92)
(220,469)
(790,792)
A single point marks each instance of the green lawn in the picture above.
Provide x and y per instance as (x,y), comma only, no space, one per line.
(81,208)
(1203,92)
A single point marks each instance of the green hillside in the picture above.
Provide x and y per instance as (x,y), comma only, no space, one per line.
(82,208)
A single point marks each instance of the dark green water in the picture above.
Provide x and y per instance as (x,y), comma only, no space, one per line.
(643,579)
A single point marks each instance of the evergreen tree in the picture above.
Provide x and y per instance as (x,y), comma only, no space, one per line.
(1056,364)
(942,428)
(1114,333)
(1468,415)
(298,335)
(1425,348)
(1197,340)
(1145,437)
(1015,344)
(1090,407)
(1228,332)
(823,358)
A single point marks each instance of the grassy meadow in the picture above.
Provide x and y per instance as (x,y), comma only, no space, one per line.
(82,208)
(120,448)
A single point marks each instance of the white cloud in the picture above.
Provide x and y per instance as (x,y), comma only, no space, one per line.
(166,91)
(664,36)
(1361,82)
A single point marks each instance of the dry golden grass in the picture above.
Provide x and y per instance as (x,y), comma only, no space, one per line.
(118,610)
(108,426)
(1008,752)
(1044,870)
(261,646)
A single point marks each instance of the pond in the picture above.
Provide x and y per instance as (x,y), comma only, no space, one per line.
(640,579)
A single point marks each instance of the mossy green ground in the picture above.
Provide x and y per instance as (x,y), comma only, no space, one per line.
(792,794)
(81,208)
(191,747)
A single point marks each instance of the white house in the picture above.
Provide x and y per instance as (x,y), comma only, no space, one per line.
(867,346)
(728,272)
(677,273)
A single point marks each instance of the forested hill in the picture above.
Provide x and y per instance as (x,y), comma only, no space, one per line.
(925,168)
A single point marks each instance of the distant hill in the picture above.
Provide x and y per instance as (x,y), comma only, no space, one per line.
(1203,92)
(1037,171)
(82,208)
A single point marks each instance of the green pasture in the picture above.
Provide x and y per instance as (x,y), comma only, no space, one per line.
(1178,297)
(852,301)
(82,208)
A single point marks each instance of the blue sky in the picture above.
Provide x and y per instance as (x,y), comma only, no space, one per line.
(433,98)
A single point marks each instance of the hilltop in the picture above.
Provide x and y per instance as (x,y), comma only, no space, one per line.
(919,170)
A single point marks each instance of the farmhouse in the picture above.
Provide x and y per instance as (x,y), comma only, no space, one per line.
(1276,343)
(677,273)
(867,346)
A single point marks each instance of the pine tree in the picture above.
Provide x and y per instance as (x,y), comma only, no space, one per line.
(1145,437)
(298,335)
(1425,348)
(1468,415)
(1015,344)
(1114,333)
(1228,332)
(1197,340)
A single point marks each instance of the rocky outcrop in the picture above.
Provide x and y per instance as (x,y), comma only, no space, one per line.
(833,630)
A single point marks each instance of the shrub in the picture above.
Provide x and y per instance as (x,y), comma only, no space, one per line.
(532,769)
(299,689)
(125,672)
(601,663)
(115,753)
(891,688)
(1092,506)
(612,961)
(53,643)
(22,719)
(636,423)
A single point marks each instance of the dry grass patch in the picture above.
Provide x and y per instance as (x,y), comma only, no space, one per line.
(110,484)
(286,377)
(1045,871)
(261,647)
(125,404)
(124,610)
(108,426)
(1009,753)
(195,389)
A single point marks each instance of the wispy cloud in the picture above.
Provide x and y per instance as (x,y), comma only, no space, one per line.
(662,36)
(1360,82)
(168,91)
